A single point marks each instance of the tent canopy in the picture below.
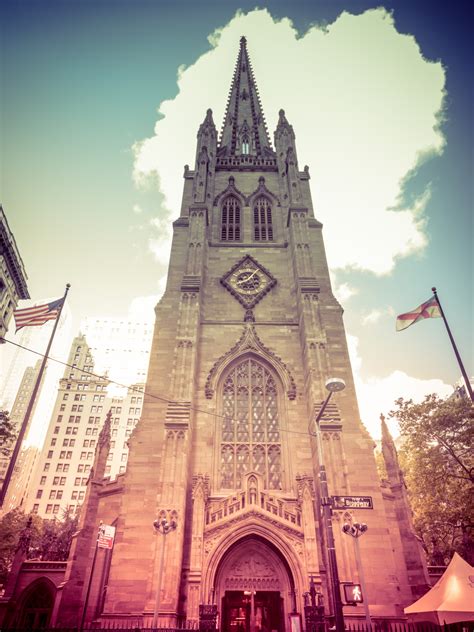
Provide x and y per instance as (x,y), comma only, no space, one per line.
(451,599)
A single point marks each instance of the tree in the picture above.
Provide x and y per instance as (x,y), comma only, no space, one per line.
(438,464)
(56,538)
(11,526)
(48,539)
(7,432)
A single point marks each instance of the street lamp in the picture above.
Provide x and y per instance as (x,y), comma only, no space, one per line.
(356,529)
(162,526)
(333,385)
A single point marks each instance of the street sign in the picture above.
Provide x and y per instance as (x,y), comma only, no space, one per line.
(352,502)
(353,593)
(106,536)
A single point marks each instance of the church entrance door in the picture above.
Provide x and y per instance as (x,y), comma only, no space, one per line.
(252,611)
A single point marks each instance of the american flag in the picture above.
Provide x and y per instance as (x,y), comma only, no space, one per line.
(38,315)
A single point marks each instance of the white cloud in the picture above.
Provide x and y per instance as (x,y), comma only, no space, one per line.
(160,244)
(137,209)
(365,106)
(377,394)
(372,317)
(375,315)
(344,291)
(142,308)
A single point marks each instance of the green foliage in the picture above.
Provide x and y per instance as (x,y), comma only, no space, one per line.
(46,539)
(56,538)
(438,464)
(7,432)
(11,526)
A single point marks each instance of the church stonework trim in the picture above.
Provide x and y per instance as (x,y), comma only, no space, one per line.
(250,342)
(247,332)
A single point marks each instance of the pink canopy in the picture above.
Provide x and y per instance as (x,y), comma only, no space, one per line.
(451,599)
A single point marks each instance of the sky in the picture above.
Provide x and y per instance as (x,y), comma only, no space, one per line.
(101,102)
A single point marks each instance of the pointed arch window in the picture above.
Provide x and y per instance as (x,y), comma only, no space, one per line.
(262,220)
(250,434)
(245,145)
(230,219)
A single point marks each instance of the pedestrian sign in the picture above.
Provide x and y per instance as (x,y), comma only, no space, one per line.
(353,593)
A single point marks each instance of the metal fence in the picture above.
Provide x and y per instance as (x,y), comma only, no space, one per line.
(385,626)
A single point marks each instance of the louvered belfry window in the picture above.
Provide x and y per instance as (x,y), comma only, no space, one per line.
(230,219)
(262,220)
(250,439)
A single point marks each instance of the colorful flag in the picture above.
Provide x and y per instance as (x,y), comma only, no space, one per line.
(430,309)
(38,315)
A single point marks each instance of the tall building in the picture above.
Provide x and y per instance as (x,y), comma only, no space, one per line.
(120,347)
(247,333)
(81,405)
(12,275)
(16,358)
(24,467)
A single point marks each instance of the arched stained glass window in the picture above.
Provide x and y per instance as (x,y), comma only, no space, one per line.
(250,439)
(262,220)
(230,219)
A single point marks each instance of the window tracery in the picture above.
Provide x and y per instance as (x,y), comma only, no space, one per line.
(250,437)
(230,219)
(262,219)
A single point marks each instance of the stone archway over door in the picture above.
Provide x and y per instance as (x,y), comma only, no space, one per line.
(253,588)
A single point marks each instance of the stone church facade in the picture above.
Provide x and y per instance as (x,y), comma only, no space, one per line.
(247,333)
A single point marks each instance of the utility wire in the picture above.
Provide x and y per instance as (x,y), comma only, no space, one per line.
(137,390)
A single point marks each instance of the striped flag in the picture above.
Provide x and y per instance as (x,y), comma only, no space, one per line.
(430,309)
(38,315)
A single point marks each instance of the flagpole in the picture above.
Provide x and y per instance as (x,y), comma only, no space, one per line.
(456,352)
(29,409)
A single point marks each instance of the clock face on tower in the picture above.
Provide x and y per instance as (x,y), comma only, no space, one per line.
(248,281)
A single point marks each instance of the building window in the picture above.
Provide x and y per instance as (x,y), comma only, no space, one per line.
(43,480)
(250,437)
(230,219)
(35,509)
(39,493)
(262,220)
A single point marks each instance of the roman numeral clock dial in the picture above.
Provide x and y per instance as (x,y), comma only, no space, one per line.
(248,281)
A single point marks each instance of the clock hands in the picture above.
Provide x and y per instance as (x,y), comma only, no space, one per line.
(246,279)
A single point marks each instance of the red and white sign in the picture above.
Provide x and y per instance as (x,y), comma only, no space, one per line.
(106,536)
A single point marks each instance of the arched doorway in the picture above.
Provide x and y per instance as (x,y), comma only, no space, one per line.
(254,588)
(34,612)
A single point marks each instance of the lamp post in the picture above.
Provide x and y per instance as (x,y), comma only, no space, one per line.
(333,385)
(356,529)
(164,527)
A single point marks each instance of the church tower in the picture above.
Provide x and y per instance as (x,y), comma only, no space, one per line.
(247,333)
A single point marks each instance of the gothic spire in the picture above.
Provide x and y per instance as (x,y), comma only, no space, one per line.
(244,130)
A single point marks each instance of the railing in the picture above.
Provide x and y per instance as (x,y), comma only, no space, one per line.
(404,626)
(218,510)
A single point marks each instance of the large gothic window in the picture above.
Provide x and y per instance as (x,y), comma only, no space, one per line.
(230,219)
(262,220)
(250,439)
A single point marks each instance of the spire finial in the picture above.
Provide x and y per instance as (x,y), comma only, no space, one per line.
(244,133)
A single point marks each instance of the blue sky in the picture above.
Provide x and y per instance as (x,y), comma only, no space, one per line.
(81,85)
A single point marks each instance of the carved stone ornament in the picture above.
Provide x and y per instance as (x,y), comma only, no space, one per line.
(248,281)
(249,341)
